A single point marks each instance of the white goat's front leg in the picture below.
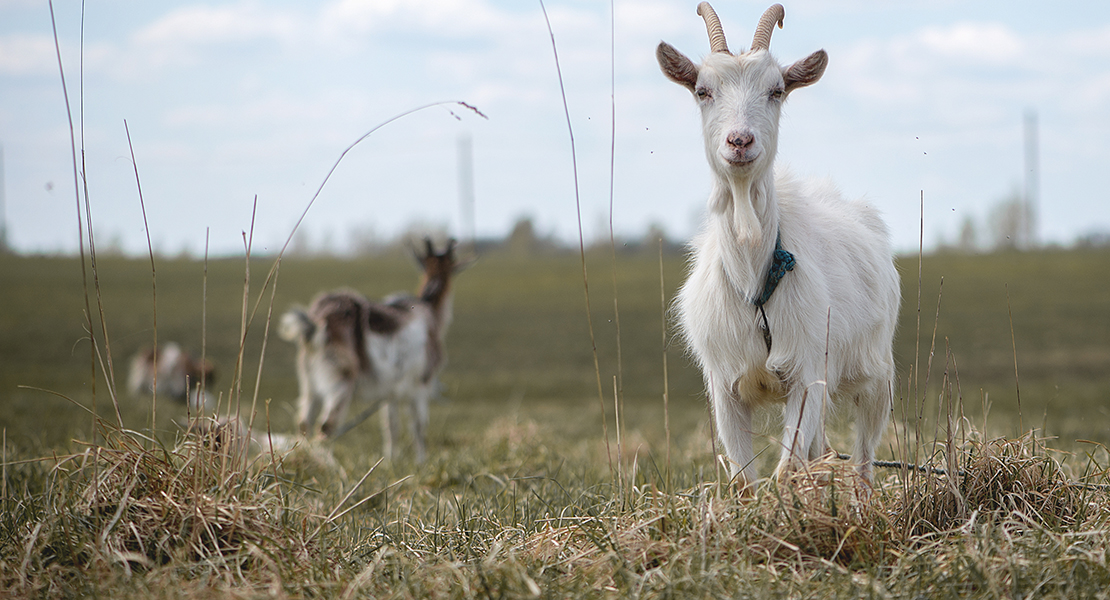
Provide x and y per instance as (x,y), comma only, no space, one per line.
(820,446)
(308,408)
(872,411)
(733,416)
(390,427)
(419,422)
(803,430)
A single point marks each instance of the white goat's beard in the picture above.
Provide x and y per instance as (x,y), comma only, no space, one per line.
(744,219)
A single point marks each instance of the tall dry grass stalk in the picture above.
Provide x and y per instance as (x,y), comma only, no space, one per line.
(666,377)
(81,190)
(581,240)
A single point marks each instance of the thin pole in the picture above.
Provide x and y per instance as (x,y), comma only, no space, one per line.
(1032,183)
(466,188)
(3,204)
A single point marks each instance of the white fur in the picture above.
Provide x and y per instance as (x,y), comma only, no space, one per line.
(844,288)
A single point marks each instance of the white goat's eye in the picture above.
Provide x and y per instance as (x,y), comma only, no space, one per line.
(776,94)
(702,93)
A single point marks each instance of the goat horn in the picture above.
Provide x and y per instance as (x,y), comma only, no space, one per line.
(762,39)
(713,26)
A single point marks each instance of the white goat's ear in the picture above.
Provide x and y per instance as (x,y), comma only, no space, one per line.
(676,66)
(806,71)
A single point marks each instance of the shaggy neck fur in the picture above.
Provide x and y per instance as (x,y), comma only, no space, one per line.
(744,217)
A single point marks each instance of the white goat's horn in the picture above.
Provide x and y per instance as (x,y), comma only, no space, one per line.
(762,39)
(713,26)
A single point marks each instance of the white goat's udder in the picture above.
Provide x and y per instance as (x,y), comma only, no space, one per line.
(759,386)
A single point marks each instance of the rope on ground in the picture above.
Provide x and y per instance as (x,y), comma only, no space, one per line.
(897,464)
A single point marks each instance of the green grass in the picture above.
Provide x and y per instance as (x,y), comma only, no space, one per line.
(520,332)
(517,496)
(1060,306)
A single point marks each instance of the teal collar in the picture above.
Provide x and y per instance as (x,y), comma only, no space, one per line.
(781,262)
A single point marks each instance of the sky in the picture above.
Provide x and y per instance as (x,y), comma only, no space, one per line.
(237,102)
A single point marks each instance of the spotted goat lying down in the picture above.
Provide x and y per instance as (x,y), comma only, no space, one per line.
(792,295)
(389,352)
(169,371)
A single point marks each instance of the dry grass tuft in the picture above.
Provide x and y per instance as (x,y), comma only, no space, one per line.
(1010,476)
(826,512)
(1001,479)
(195,502)
(824,515)
(661,530)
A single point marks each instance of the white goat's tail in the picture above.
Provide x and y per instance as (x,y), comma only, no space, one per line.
(296,326)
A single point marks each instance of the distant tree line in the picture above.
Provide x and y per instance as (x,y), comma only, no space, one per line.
(523,239)
(1004,228)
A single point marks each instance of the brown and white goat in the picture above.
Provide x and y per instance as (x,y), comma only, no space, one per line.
(172,372)
(390,352)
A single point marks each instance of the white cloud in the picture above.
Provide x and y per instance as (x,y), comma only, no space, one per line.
(955,72)
(206,25)
(1088,43)
(35,55)
(654,19)
(346,16)
(25,54)
(448,18)
(975,43)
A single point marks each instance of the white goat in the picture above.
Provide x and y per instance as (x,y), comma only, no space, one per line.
(387,351)
(833,316)
(178,374)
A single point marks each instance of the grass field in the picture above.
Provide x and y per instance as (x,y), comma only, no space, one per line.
(518,499)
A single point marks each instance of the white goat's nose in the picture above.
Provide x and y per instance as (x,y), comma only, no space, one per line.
(741,139)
